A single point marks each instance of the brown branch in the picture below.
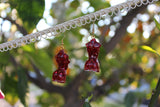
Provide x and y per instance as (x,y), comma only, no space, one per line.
(72,90)
(121,31)
(104,89)
(19,27)
(76,82)
(48,86)
(114,79)
(40,80)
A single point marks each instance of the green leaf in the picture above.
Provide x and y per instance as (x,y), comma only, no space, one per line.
(90,97)
(130,99)
(157,24)
(154,83)
(40,58)
(22,85)
(74,4)
(147,48)
(4,56)
(50,100)
(9,87)
(30,11)
(86,104)
(99,4)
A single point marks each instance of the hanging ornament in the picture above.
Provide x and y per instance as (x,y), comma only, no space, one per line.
(92,63)
(1,95)
(62,60)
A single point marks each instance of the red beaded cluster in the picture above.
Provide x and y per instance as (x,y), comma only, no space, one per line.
(92,63)
(1,95)
(63,60)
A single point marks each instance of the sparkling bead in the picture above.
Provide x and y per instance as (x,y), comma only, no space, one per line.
(59,75)
(92,63)
(63,60)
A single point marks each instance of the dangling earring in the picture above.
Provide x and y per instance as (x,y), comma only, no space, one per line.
(92,63)
(63,60)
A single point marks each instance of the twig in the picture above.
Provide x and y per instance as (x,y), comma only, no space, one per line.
(109,46)
(155,95)
(40,80)
(20,28)
(121,31)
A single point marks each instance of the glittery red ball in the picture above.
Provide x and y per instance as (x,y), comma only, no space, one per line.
(92,63)
(63,60)
(59,75)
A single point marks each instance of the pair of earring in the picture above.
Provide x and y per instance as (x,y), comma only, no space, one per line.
(91,64)
(62,60)
(93,47)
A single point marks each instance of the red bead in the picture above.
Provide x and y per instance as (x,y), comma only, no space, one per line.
(59,75)
(92,63)
(1,95)
(63,60)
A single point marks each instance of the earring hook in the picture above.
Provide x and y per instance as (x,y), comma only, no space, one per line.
(93,30)
(62,43)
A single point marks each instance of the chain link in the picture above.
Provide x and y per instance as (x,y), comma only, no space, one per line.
(53,31)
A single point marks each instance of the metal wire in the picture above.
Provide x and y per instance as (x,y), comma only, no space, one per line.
(86,19)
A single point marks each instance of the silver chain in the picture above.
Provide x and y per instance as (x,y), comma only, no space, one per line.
(86,19)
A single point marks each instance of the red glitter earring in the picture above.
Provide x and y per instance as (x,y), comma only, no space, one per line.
(63,60)
(92,63)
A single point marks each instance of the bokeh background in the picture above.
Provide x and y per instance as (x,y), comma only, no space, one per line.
(128,74)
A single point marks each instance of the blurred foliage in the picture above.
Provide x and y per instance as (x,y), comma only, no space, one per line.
(155,95)
(4,58)
(157,24)
(86,104)
(51,100)
(39,57)
(30,11)
(10,87)
(130,99)
(132,65)
(22,85)
(99,4)
(147,48)
(87,100)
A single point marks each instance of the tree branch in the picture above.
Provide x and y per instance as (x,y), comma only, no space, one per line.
(40,80)
(155,95)
(19,27)
(111,81)
(72,88)
(121,31)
